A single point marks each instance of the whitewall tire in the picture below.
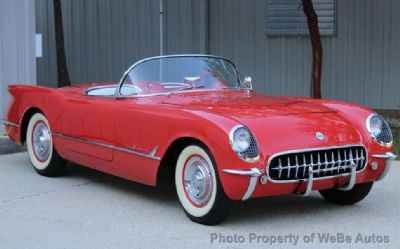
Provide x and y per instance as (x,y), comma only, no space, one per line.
(198,187)
(39,142)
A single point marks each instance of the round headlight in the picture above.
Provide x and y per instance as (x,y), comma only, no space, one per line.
(379,129)
(244,143)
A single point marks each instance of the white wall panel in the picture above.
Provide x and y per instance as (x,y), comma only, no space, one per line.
(17,47)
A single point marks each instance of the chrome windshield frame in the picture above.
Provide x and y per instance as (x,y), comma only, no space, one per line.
(118,90)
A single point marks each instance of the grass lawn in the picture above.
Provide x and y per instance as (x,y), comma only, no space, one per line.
(396,141)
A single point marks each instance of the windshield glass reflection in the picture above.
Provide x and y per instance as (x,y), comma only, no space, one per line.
(167,75)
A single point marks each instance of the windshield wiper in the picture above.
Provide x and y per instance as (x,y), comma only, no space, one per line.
(185,88)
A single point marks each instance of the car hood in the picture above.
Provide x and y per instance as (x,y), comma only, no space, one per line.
(246,104)
(289,122)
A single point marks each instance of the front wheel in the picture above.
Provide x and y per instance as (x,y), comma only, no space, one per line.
(341,197)
(39,142)
(199,189)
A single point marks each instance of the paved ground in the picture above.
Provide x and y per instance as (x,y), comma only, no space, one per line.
(7,146)
(88,209)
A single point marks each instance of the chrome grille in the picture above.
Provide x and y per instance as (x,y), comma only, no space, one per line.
(325,162)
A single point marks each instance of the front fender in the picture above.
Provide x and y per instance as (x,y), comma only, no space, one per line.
(213,131)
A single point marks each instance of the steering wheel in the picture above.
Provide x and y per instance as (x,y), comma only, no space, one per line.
(208,77)
(215,81)
(162,86)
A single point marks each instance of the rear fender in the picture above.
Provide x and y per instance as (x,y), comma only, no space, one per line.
(27,100)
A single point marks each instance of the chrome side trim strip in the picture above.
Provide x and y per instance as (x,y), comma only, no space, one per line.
(251,172)
(151,155)
(254,173)
(6,122)
(390,157)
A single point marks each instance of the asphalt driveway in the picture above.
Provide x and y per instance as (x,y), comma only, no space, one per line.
(88,209)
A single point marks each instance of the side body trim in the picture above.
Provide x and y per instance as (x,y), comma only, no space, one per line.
(151,155)
(6,122)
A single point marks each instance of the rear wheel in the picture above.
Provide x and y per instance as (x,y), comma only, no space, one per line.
(356,194)
(44,158)
(198,186)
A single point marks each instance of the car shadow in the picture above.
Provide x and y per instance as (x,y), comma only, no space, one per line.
(259,210)
(163,192)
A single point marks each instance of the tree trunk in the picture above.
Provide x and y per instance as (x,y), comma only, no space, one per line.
(312,20)
(62,69)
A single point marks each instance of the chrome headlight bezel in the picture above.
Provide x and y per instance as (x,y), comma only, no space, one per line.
(385,128)
(252,152)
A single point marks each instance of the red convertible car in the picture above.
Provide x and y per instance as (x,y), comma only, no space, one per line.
(193,119)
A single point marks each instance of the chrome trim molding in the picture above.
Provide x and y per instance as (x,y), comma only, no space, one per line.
(310,182)
(352,180)
(347,187)
(151,155)
(118,95)
(254,173)
(315,149)
(166,93)
(6,122)
(390,157)
(387,155)
(251,172)
(250,189)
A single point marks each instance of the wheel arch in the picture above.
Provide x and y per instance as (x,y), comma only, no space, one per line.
(167,166)
(25,121)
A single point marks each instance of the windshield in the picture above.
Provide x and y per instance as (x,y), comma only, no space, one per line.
(168,75)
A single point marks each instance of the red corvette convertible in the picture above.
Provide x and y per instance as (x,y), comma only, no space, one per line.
(193,119)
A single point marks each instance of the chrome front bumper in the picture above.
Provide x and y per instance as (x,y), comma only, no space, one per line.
(255,173)
(390,157)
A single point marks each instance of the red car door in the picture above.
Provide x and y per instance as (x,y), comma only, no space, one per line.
(87,126)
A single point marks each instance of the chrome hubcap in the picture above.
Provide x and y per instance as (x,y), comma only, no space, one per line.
(41,141)
(197,179)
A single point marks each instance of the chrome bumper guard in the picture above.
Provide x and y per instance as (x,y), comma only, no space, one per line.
(254,173)
(349,186)
(390,157)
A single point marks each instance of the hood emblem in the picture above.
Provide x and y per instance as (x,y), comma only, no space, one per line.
(320,136)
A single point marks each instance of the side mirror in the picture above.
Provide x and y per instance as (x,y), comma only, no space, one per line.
(248,82)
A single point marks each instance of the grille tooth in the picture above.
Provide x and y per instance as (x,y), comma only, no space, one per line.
(319,164)
(327,162)
(304,165)
(362,156)
(297,166)
(280,168)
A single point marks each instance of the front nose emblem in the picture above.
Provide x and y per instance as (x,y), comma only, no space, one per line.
(320,136)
